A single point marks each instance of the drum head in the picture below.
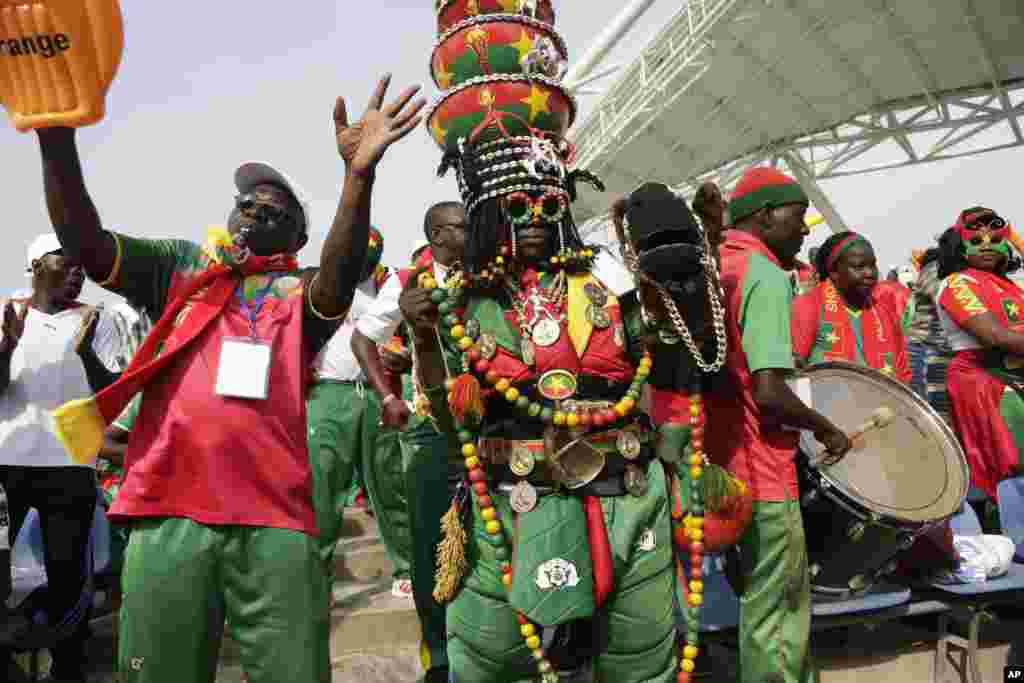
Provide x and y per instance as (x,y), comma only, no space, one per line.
(913,469)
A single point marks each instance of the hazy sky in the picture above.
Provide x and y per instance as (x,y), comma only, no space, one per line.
(206,85)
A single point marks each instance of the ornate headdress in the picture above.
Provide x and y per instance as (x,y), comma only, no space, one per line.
(502,118)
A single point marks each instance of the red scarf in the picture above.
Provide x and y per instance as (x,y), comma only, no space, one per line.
(80,424)
(879,352)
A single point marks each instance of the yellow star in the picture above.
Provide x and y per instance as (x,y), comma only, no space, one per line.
(832,337)
(509,6)
(1012,310)
(538,101)
(437,131)
(444,76)
(523,45)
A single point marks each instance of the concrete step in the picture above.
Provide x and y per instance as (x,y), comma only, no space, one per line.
(366,621)
(356,523)
(393,665)
(362,559)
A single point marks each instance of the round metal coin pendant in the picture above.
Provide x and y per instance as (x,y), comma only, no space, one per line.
(628,444)
(598,317)
(488,346)
(521,461)
(523,497)
(596,294)
(546,332)
(635,480)
(529,357)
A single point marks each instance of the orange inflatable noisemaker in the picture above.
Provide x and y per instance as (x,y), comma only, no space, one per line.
(57,60)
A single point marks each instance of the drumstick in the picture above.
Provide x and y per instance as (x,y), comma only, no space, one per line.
(881,417)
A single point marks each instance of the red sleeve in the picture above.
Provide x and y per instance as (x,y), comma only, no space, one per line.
(803,324)
(962,298)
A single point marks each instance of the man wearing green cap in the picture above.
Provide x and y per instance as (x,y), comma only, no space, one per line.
(749,413)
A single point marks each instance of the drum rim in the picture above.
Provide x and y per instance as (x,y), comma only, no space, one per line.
(937,419)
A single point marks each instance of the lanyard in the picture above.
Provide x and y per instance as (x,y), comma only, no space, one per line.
(252,310)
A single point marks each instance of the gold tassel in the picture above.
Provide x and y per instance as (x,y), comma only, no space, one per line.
(451,556)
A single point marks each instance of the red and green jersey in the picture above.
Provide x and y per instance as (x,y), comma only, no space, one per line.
(758,296)
(213,459)
(825,329)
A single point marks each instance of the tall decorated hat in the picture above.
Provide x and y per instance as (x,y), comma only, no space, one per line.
(503,114)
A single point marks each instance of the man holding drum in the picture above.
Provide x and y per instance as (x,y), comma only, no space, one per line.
(749,413)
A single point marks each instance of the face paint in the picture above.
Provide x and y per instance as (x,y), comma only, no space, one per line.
(986,241)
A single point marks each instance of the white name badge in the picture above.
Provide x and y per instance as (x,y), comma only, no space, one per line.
(244,368)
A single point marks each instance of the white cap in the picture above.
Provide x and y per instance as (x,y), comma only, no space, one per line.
(253,173)
(41,246)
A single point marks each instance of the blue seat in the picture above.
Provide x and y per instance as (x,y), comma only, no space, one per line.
(879,597)
(1011,512)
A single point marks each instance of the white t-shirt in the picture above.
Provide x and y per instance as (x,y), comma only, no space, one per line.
(46,372)
(336,360)
(381,321)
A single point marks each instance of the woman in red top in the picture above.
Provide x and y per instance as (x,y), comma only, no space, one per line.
(982,313)
(842,319)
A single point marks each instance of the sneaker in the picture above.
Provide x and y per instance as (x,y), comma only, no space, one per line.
(401,588)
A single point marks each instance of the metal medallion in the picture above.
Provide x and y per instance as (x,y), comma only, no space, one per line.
(521,461)
(523,497)
(472,328)
(597,295)
(628,444)
(635,480)
(488,345)
(529,355)
(557,385)
(546,332)
(619,336)
(598,317)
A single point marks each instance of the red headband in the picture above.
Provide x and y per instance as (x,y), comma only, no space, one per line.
(968,224)
(841,246)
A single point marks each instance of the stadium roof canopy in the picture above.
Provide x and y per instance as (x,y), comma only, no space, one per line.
(815,84)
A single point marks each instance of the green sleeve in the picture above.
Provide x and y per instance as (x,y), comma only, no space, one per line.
(764,321)
(146,269)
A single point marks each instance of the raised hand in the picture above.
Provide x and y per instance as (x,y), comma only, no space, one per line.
(415,302)
(363,143)
(87,330)
(13,327)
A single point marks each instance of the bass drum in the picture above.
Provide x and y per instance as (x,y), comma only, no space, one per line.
(897,482)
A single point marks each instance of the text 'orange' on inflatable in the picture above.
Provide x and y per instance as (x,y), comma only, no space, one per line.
(57,59)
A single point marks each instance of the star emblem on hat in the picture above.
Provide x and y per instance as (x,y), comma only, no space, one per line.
(523,45)
(538,101)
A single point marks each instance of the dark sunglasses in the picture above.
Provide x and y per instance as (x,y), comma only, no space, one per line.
(256,208)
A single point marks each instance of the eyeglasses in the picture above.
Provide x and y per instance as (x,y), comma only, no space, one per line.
(257,208)
(521,208)
(978,221)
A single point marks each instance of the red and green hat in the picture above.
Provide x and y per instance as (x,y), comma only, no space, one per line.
(374,251)
(764,187)
(451,12)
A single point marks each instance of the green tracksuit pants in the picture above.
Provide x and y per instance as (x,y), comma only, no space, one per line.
(181,579)
(486,646)
(344,436)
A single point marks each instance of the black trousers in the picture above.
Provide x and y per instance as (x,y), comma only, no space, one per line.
(66,500)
